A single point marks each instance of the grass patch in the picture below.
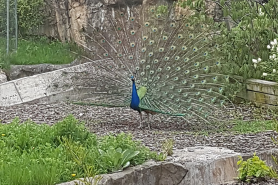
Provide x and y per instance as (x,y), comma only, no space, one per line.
(39,50)
(238,127)
(43,154)
(253,126)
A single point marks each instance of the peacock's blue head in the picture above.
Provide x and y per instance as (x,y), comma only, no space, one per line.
(132,78)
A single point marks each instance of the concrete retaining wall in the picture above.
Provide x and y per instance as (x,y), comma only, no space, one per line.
(42,87)
(263,93)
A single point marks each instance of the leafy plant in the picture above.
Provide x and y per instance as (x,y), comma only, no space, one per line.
(117,159)
(254,168)
(125,141)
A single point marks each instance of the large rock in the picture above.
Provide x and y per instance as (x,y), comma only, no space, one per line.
(150,173)
(3,77)
(191,166)
(20,71)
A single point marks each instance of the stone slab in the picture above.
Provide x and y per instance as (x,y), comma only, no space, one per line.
(263,86)
(259,97)
(9,94)
(49,87)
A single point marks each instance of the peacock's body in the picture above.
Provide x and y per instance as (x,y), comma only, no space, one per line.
(154,61)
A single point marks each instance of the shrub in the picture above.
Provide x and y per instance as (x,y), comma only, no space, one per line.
(254,169)
(269,66)
(247,28)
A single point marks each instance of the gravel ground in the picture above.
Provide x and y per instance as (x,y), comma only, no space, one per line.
(103,120)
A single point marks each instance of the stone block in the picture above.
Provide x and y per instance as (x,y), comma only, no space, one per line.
(47,87)
(149,173)
(3,77)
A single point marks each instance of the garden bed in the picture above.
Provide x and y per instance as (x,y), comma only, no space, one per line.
(243,136)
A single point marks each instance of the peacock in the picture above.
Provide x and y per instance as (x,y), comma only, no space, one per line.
(154,60)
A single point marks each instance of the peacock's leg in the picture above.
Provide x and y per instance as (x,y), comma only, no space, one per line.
(149,125)
(141,120)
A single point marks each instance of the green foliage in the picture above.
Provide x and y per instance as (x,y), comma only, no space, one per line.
(255,126)
(117,159)
(255,26)
(247,29)
(254,168)
(125,141)
(39,50)
(72,128)
(166,149)
(78,154)
(269,66)
(30,15)
(41,154)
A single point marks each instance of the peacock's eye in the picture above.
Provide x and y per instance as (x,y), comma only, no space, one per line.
(172,25)
(132,32)
(165,37)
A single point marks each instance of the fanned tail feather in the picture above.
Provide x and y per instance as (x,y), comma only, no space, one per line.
(174,57)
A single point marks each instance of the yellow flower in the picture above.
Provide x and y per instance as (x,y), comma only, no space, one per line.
(73,175)
(3,134)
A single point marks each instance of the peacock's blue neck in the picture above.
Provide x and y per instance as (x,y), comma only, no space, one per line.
(135,101)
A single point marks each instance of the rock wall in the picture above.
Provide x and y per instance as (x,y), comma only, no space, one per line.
(67,19)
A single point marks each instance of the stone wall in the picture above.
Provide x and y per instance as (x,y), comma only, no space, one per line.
(67,19)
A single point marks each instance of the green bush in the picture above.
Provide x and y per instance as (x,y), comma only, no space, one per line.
(248,28)
(254,168)
(41,154)
(30,15)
